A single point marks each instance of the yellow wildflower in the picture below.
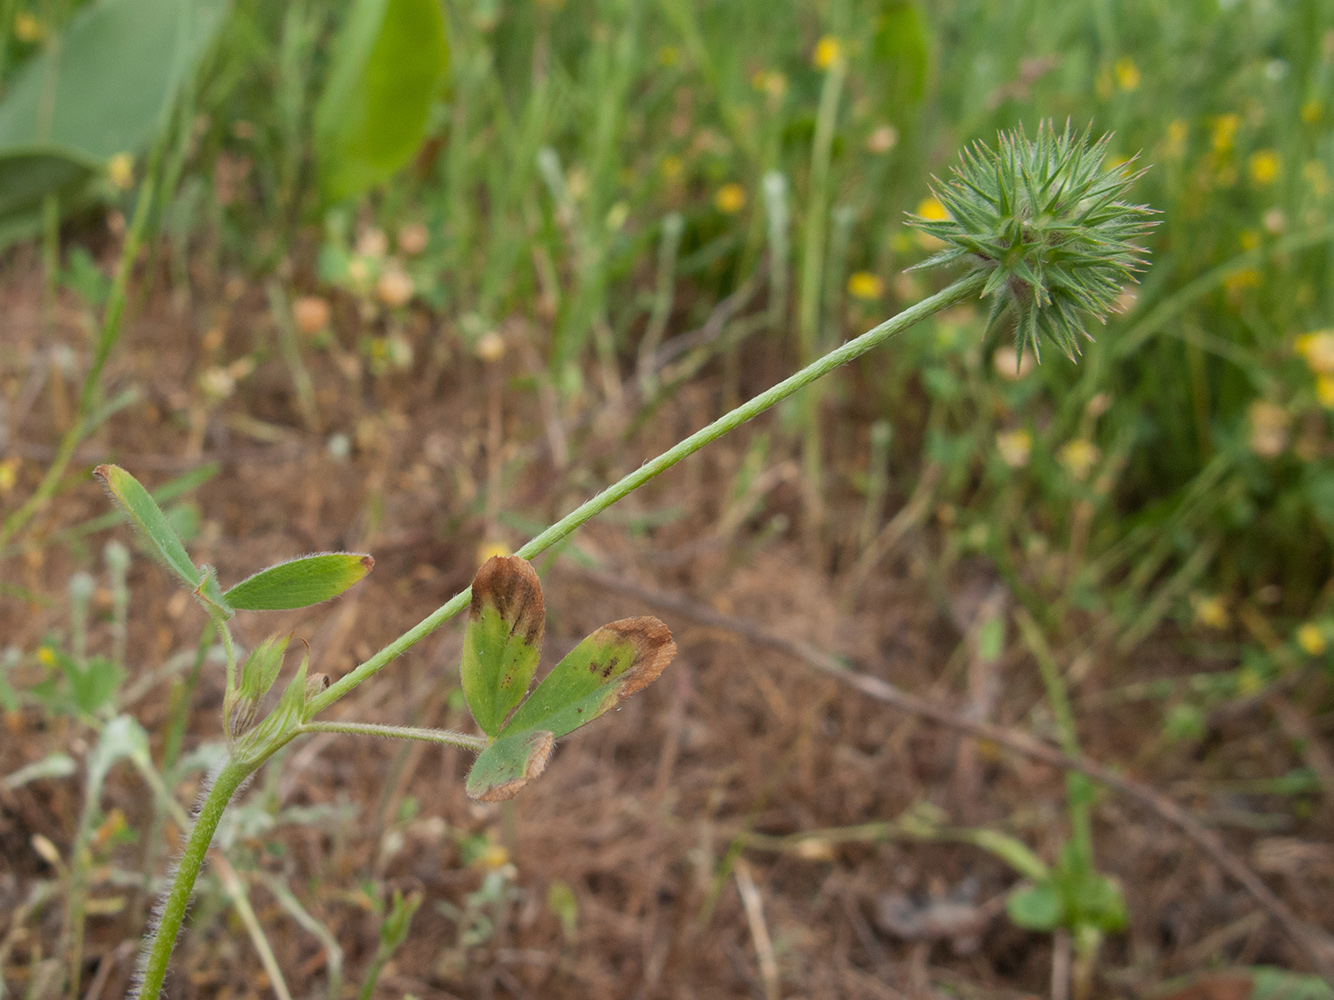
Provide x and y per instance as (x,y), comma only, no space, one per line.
(1127,74)
(493,857)
(1311,111)
(9,474)
(828,51)
(1317,350)
(27,28)
(932,210)
(1249,239)
(1225,129)
(1079,457)
(1311,638)
(1324,391)
(672,167)
(120,170)
(1265,165)
(730,199)
(865,285)
(1014,447)
(1239,281)
(1209,611)
(46,656)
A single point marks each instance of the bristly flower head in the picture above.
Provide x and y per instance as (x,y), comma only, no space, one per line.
(1044,220)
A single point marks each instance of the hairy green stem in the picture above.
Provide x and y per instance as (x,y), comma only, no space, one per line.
(444,737)
(966,287)
(232,776)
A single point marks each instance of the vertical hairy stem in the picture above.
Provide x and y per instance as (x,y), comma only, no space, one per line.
(163,937)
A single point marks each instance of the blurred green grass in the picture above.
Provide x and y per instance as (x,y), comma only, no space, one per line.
(609,170)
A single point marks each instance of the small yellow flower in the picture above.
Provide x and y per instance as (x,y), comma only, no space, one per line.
(1324,391)
(1265,166)
(932,210)
(46,656)
(27,28)
(1210,611)
(1079,457)
(1238,281)
(1249,239)
(730,199)
(1014,447)
(1311,112)
(1311,639)
(120,170)
(865,285)
(1127,74)
(1225,129)
(828,51)
(1317,350)
(9,474)
(495,856)
(1269,428)
(492,548)
(672,167)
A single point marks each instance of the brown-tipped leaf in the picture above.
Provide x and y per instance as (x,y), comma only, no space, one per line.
(299,583)
(611,664)
(508,764)
(503,640)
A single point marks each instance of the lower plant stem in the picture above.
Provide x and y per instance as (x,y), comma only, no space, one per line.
(232,776)
(966,287)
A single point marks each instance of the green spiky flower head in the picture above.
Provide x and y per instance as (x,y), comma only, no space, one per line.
(1047,223)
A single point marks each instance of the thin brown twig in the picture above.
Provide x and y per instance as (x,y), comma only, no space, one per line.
(1316,944)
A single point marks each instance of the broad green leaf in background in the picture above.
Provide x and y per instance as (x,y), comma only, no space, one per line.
(388,65)
(503,640)
(902,53)
(300,582)
(1036,907)
(119,65)
(135,500)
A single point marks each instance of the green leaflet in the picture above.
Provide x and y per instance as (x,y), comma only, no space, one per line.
(508,764)
(299,583)
(148,516)
(500,652)
(388,65)
(503,640)
(611,664)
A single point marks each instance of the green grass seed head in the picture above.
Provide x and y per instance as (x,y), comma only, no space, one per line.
(1047,223)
